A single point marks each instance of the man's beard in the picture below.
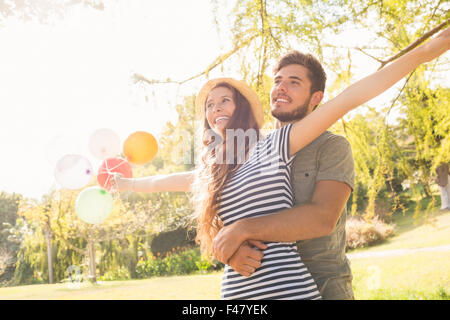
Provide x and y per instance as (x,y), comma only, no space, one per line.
(297,114)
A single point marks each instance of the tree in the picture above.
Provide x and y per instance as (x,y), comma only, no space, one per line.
(44,10)
(261,31)
(8,213)
(8,247)
(427,123)
(57,215)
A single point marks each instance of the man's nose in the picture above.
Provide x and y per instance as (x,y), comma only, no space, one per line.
(281,86)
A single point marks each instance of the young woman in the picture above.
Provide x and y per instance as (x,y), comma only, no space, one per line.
(226,191)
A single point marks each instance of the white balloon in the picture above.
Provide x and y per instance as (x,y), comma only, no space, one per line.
(104,144)
(73,171)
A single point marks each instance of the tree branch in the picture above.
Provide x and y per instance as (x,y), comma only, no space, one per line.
(415,43)
(221,59)
(71,246)
(369,55)
(398,96)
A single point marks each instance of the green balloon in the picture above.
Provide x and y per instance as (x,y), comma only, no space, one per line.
(94,205)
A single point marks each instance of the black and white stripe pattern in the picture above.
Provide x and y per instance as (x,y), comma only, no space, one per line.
(262,186)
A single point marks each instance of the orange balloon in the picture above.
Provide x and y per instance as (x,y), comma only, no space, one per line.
(140,147)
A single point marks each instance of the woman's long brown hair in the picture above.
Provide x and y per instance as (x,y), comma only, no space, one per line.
(213,175)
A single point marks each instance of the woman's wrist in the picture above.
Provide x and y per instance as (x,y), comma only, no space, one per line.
(126,184)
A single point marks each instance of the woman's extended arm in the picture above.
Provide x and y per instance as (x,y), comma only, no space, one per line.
(181,181)
(314,124)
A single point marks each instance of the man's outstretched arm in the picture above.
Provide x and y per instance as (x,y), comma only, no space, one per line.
(312,220)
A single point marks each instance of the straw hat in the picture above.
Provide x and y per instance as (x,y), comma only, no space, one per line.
(241,86)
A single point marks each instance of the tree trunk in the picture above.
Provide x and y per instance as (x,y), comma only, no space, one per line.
(48,237)
(92,265)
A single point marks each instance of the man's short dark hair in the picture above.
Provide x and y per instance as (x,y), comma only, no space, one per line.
(316,74)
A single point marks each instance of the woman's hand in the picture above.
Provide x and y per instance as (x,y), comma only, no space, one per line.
(437,46)
(120,183)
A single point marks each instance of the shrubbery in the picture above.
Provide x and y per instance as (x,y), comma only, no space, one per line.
(361,233)
(114,275)
(175,263)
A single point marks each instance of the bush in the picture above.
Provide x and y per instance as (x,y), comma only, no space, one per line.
(7,266)
(5,260)
(118,274)
(361,233)
(166,241)
(175,263)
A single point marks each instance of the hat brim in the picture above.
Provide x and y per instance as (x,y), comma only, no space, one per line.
(241,86)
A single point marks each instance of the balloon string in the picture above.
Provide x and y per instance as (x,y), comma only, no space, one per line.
(114,189)
(108,170)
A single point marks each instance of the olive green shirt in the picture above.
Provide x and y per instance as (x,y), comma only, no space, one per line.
(329,157)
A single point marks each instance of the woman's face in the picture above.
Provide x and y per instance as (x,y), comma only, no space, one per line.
(219,108)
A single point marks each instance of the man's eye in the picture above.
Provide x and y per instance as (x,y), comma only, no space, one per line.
(209,105)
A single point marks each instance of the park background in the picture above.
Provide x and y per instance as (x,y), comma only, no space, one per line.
(71,67)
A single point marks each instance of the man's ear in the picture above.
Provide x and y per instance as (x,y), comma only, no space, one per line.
(316,98)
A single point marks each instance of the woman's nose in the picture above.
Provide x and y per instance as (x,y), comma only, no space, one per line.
(217,107)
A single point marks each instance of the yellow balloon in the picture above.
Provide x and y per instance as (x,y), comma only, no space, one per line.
(140,147)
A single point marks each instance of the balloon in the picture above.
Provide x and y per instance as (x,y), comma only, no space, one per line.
(94,205)
(104,176)
(73,171)
(104,143)
(140,147)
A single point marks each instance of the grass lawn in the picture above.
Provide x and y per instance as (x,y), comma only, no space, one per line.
(194,287)
(411,233)
(423,275)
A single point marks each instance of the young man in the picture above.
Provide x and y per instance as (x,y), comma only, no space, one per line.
(322,176)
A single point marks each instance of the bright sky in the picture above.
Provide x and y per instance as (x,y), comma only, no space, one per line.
(60,83)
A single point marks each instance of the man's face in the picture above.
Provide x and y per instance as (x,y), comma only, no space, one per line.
(290,97)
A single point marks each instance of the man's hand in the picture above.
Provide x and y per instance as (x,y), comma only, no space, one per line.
(228,240)
(247,258)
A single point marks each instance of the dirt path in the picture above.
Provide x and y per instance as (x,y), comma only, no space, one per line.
(393,253)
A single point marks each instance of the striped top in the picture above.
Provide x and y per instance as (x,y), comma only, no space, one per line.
(259,187)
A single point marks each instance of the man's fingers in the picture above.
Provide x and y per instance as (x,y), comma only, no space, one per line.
(258,244)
